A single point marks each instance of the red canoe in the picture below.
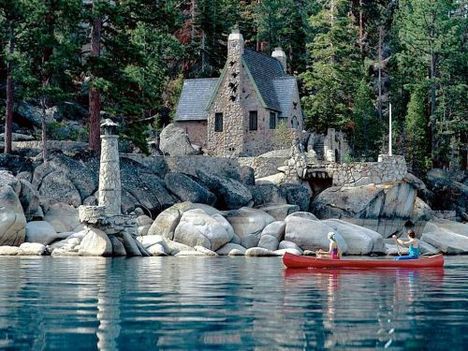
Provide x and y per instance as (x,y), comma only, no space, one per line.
(294,261)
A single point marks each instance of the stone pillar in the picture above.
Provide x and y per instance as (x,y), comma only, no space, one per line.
(110,189)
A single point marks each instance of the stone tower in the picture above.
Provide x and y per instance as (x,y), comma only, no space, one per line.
(110,189)
(226,138)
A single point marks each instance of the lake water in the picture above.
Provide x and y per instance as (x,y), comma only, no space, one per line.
(227,303)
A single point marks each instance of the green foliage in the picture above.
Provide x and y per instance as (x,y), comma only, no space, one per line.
(334,72)
(367,128)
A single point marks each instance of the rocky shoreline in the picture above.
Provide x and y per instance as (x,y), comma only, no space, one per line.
(217,208)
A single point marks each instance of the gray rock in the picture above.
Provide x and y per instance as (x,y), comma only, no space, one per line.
(448,237)
(12,219)
(275,229)
(297,194)
(289,245)
(231,194)
(247,175)
(188,189)
(193,253)
(280,212)
(248,224)
(302,214)
(236,252)
(281,252)
(63,217)
(359,240)
(150,240)
(306,233)
(196,227)
(267,194)
(174,247)
(58,187)
(9,250)
(229,247)
(174,141)
(17,137)
(42,232)
(259,252)
(29,198)
(95,243)
(6,178)
(31,249)
(130,244)
(166,222)
(205,251)
(268,242)
(118,248)
(157,250)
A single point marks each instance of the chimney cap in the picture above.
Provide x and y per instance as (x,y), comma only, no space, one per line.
(235,29)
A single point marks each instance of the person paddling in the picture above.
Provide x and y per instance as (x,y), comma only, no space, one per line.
(412,244)
(333,250)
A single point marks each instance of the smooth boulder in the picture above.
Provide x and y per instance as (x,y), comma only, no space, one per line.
(308,234)
(63,217)
(174,141)
(42,232)
(196,227)
(188,189)
(95,243)
(12,219)
(450,238)
(248,224)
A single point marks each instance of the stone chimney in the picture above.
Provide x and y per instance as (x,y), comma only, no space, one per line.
(280,55)
(235,45)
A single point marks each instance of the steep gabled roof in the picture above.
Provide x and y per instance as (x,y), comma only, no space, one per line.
(194,99)
(285,88)
(264,70)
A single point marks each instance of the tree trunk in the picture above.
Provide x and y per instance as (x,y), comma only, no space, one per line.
(94,94)
(44,128)
(9,96)
(361,29)
(380,74)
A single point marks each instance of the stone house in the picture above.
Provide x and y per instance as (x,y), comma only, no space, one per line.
(237,114)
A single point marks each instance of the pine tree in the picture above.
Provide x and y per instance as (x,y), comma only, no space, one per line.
(334,72)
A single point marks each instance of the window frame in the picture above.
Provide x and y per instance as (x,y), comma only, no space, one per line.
(273,117)
(219,122)
(253,122)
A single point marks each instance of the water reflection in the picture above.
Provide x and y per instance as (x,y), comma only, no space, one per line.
(226,303)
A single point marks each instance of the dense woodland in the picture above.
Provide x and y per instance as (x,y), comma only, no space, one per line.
(127,59)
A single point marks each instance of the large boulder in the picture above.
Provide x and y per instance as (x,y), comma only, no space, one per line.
(248,224)
(280,212)
(12,219)
(63,217)
(229,248)
(450,191)
(6,178)
(268,242)
(167,221)
(142,188)
(385,208)
(187,188)
(275,229)
(308,234)
(9,250)
(29,198)
(95,243)
(267,194)
(196,227)
(174,141)
(449,237)
(359,240)
(231,193)
(42,232)
(297,194)
(32,249)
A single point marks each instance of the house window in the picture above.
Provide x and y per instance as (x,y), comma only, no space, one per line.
(218,122)
(253,119)
(272,120)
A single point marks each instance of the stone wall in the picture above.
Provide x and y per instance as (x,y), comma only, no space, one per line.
(263,166)
(387,169)
(196,131)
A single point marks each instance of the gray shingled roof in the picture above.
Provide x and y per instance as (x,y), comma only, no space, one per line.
(284,88)
(274,85)
(264,69)
(194,99)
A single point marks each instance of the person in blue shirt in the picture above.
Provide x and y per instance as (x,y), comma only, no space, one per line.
(412,244)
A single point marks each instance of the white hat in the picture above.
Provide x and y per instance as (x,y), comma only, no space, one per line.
(331,236)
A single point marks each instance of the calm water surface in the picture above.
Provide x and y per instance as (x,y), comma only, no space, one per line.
(227,303)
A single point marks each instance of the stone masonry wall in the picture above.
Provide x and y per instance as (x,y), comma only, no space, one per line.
(196,131)
(388,169)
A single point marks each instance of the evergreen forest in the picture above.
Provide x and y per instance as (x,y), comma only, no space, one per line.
(127,59)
